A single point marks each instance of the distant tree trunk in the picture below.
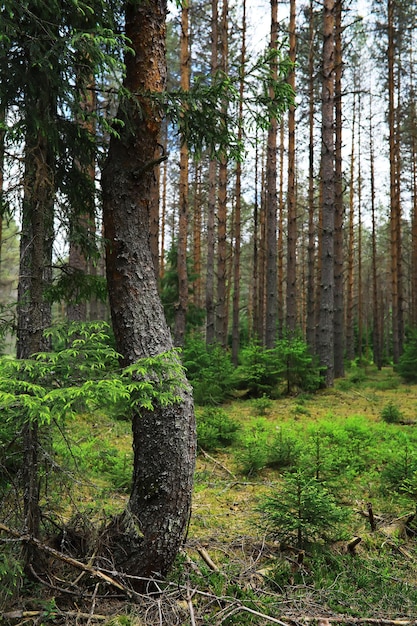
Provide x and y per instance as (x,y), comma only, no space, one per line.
(291,295)
(339,344)
(414,206)
(82,226)
(164,440)
(398,174)
(2,155)
(395,217)
(78,258)
(197,224)
(182,306)
(262,257)
(272,206)
(163,206)
(154,218)
(238,202)
(377,340)
(350,337)
(221,312)
(311,283)
(281,201)
(255,269)
(326,323)
(360,229)
(212,192)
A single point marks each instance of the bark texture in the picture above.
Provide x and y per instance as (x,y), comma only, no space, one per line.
(291,195)
(164,440)
(272,207)
(326,324)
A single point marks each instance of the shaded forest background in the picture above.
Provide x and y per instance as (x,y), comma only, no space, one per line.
(307,224)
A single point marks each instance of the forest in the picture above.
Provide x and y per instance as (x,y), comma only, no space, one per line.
(208,297)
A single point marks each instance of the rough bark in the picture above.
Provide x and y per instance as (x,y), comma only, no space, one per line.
(197,230)
(350,338)
(395,209)
(34,312)
(211,204)
(326,324)
(78,261)
(255,267)
(339,343)
(311,312)
(281,203)
(182,306)
(360,240)
(413,316)
(221,309)
(291,195)
(155,522)
(237,213)
(377,345)
(272,207)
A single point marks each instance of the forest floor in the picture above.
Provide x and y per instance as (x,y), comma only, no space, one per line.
(358,441)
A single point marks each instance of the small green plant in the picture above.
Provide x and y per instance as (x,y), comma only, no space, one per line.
(261,405)
(407,365)
(215,429)
(399,474)
(253,453)
(391,414)
(302,510)
(258,371)
(283,451)
(356,374)
(297,366)
(299,409)
(209,370)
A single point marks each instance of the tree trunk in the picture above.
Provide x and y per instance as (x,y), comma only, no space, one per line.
(281,201)
(311,283)
(339,344)
(360,230)
(413,315)
(164,441)
(211,203)
(34,312)
(255,268)
(272,206)
(238,192)
(326,323)
(377,343)
(262,258)
(221,310)
(83,221)
(182,306)
(197,223)
(350,337)
(291,295)
(395,219)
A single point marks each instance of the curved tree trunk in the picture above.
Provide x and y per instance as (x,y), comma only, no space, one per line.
(164,441)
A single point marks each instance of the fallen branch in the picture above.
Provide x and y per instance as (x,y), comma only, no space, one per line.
(19,614)
(207,559)
(213,460)
(372,621)
(246,609)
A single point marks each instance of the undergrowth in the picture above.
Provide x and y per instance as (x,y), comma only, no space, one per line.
(282,487)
